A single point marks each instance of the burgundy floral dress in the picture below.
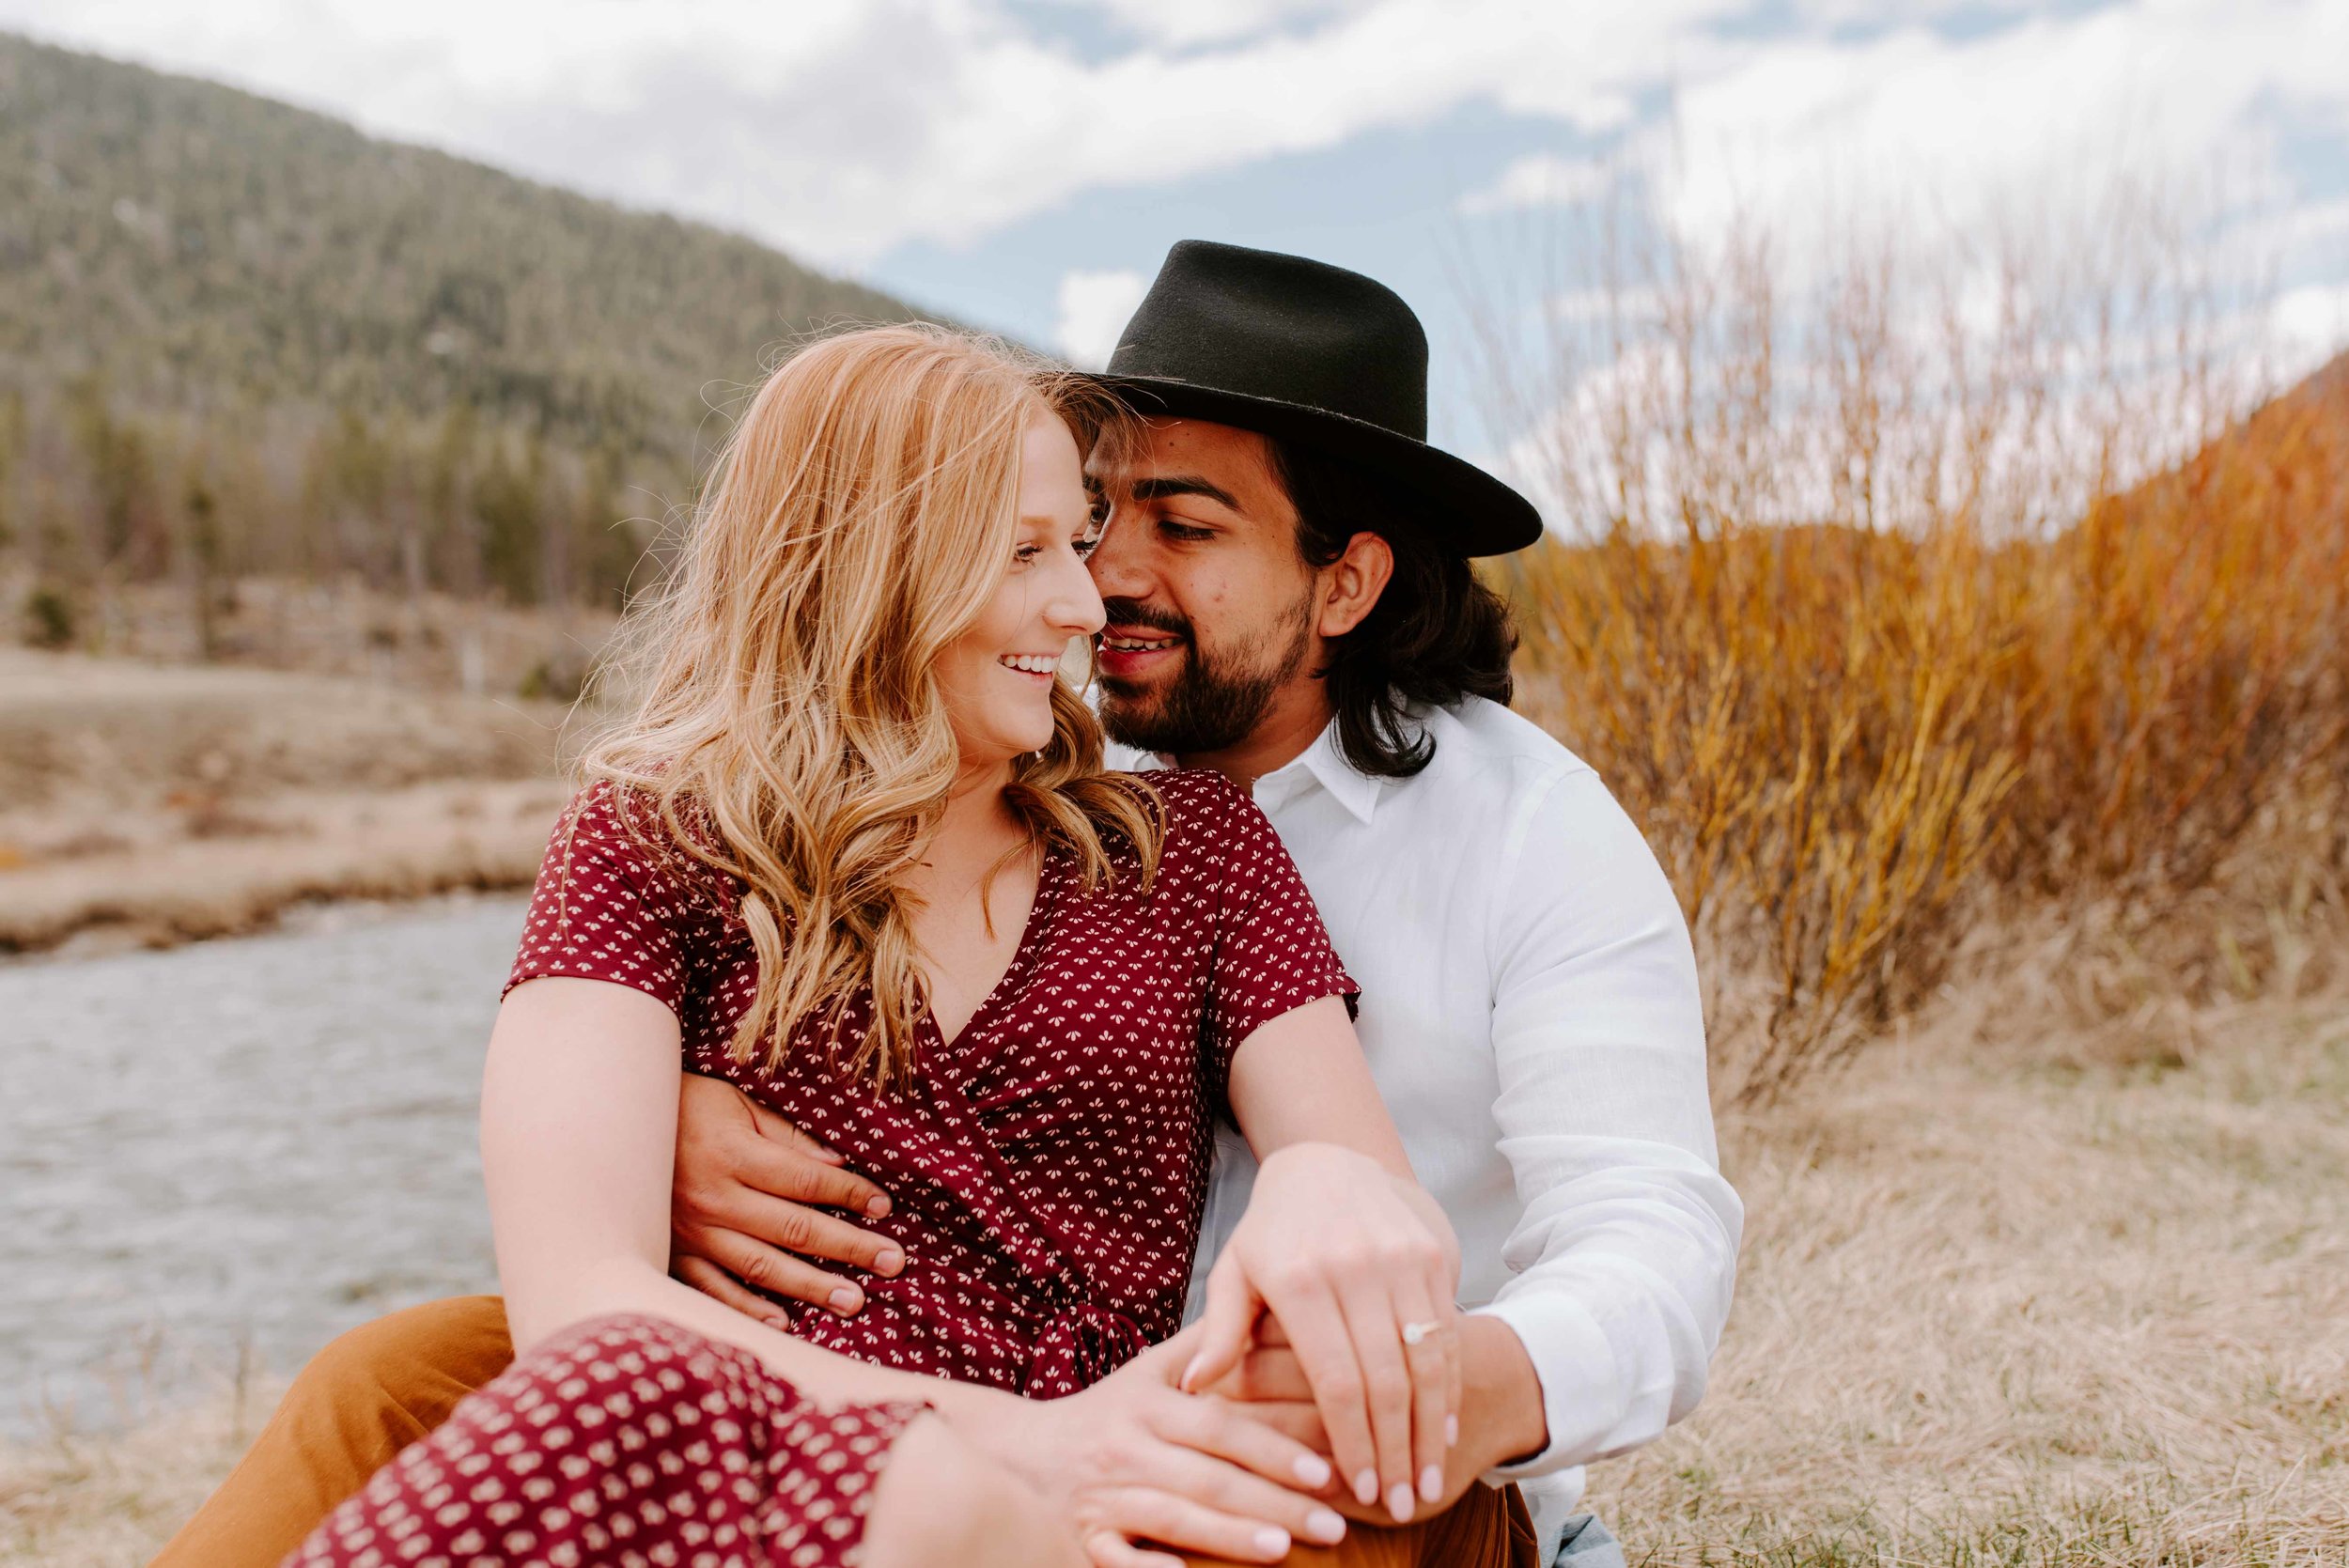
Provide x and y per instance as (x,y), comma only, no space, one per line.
(1045,1171)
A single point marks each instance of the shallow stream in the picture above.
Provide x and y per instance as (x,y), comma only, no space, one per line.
(228,1153)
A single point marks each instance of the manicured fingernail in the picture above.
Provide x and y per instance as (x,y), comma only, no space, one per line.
(1366,1488)
(877,1206)
(780,1324)
(1431,1483)
(1399,1502)
(843,1299)
(1312,1472)
(1326,1526)
(1451,1432)
(1273,1543)
(1184,1382)
(889,1260)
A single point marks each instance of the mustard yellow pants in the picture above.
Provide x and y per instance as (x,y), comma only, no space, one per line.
(385,1384)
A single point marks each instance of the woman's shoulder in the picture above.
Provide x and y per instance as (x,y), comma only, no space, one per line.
(606,814)
(613,827)
(1196,795)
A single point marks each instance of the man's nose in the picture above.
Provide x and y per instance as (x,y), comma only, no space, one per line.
(1118,563)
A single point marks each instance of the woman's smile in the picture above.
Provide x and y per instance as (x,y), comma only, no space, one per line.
(1043,664)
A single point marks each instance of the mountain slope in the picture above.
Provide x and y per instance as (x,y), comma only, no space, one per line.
(193,242)
(238,339)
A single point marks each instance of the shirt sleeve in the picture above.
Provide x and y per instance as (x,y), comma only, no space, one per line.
(1623,1258)
(1271,954)
(607,905)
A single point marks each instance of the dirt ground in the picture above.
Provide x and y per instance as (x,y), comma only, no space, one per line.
(2003,1302)
(145,803)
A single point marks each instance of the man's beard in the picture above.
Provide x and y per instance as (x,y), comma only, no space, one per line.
(1215,701)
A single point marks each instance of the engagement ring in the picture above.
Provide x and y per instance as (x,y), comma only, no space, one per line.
(1414,1332)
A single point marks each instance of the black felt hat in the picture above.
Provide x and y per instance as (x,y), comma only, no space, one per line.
(1315,356)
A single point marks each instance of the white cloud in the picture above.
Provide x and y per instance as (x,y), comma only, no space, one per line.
(2124,164)
(1845,14)
(1604,303)
(841,128)
(2311,324)
(2053,109)
(1094,309)
(1185,22)
(1540,179)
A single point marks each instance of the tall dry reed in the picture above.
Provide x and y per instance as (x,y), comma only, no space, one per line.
(1905,596)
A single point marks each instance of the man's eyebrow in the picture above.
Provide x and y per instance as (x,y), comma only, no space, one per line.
(1168,486)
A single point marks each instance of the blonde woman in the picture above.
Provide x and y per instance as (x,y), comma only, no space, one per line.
(854,853)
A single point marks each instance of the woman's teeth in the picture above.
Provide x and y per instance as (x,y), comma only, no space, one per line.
(1033,663)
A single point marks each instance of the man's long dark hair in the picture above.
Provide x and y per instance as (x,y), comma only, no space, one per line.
(1436,634)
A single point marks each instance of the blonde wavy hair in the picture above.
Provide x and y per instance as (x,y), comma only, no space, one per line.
(790,733)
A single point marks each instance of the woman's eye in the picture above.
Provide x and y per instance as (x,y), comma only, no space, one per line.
(1022,554)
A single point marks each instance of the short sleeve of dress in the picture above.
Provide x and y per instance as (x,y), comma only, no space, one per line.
(1272,952)
(607,906)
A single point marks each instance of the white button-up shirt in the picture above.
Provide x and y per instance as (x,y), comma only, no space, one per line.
(1530,1011)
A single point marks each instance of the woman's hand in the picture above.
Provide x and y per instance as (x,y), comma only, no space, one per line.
(1497,1426)
(1135,1458)
(1362,1270)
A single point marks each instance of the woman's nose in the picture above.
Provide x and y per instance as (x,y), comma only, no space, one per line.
(1075,607)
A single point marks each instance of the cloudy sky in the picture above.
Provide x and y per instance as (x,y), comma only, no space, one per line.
(1024,164)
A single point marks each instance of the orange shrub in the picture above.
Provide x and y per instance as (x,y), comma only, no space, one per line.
(1867,613)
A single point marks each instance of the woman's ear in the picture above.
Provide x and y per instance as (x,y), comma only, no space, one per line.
(1353,583)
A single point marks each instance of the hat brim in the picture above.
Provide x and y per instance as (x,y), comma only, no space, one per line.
(1468,511)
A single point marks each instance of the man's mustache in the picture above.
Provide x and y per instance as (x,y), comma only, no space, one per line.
(1134,612)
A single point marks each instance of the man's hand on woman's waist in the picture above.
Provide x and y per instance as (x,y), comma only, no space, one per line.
(756,1202)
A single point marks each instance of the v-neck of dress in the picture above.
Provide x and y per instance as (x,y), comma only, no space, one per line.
(1022,957)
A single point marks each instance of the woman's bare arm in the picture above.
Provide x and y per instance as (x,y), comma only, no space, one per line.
(1342,1247)
(1300,1079)
(578,1137)
(578,1122)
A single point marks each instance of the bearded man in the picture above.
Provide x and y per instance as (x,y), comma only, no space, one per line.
(1290,602)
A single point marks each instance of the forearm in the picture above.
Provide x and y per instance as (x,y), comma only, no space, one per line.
(630,1285)
(1621,1259)
(1622,1282)
(1501,1397)
(1300,1079)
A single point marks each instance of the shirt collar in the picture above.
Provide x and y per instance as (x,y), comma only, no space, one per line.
(1323,763)
(1354,789)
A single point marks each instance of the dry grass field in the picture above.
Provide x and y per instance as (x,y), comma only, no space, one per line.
(2011,1296)
(2049,1301)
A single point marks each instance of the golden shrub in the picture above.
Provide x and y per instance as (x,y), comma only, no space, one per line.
(1867,610)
